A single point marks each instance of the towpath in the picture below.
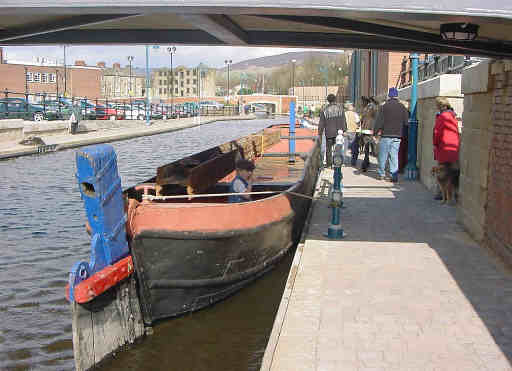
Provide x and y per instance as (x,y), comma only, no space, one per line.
(406,289)
(108,131)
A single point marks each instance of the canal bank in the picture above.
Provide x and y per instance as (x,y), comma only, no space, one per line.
(406,289)
(56,138)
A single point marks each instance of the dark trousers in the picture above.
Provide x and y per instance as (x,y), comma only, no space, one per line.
(328,150)
(355,151)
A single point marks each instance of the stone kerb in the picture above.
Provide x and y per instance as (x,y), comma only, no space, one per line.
(441,86)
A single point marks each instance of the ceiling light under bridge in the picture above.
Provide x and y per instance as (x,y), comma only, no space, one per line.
(459,31)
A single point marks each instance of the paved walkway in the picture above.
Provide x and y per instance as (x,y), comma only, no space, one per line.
(407,289)
(120,130)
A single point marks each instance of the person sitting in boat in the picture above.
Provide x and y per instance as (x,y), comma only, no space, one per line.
(242,182)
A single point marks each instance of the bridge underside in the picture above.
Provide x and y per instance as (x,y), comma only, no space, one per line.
(401,26)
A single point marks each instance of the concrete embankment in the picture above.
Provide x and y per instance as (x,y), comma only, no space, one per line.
(55,136)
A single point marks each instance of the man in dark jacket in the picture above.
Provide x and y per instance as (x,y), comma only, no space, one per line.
(332,119)
(391,118)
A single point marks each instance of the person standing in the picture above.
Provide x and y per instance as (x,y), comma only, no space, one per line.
(74,119)
(392,116)
(332,119)
(446,138)
(352,120)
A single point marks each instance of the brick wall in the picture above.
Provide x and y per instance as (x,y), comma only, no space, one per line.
(82,82)
(498,228)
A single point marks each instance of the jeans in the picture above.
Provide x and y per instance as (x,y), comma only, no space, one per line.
(328,151)
(388,147)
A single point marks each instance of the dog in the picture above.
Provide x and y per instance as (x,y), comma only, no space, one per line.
(448,179)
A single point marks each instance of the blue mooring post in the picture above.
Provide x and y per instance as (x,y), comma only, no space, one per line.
(148,108)
(411,169)
(291,141)
(335,231)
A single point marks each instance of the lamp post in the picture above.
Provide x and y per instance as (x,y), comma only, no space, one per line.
(65,73)
(411,169)
(293,76)
(171,50)
(130,60)
(147,86)
(228,62)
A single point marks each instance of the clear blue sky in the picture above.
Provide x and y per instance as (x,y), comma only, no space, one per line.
(189,56)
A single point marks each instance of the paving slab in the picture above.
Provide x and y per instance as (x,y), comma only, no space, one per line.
(406,289)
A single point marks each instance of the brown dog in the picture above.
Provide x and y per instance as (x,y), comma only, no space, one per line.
(448,180)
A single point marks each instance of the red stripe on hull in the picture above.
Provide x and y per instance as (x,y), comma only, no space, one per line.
(209,217)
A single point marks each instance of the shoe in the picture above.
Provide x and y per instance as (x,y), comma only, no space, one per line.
(381,177)
(438,197)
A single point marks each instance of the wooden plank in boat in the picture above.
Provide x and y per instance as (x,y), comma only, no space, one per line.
(206,175)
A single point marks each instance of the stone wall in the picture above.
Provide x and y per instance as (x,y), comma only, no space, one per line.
(441,86)
(474,152)
(498,223)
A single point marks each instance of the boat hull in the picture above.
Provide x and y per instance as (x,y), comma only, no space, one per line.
(189,257)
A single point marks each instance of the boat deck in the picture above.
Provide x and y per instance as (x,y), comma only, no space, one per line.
(277,169)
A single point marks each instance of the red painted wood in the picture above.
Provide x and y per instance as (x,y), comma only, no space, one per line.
(101,281)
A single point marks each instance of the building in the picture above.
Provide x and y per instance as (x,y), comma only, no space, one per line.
(46,76)
(313,96)
(184,83)
(121,82)
(373,72)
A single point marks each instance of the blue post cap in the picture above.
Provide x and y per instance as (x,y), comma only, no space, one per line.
(393,92)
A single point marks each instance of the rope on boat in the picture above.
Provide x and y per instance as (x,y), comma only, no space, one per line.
(151,197)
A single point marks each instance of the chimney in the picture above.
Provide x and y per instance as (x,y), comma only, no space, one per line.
(80,63)
(117,66)
(101,64)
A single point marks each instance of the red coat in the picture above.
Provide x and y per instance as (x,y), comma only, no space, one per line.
(446,137)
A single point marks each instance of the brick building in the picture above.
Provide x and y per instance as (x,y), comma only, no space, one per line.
(46,77)
(118,82)
(373,72)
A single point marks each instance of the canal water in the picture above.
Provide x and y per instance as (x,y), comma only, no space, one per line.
(42,235)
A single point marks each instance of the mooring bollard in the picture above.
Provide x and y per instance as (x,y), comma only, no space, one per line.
(335,231)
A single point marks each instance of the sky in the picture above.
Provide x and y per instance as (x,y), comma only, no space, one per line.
(189,56)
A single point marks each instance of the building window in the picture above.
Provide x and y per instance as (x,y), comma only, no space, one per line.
(188,90)
(182,75)
(188,81)
(160,91)
(182,93)
(30,77)
(195,91)
(44,77)
(176,91)
(176,74)
(195,81)
(182,84)
(52,77)
(37,77)
(188,73)
(160,73)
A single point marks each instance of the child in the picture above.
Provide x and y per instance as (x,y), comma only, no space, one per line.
(242,182)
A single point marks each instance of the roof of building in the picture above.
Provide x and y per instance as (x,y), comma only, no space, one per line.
(400,25)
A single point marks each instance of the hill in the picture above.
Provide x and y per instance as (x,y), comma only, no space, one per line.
(274,61)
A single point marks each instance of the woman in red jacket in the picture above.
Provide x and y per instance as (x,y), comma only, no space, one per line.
(446,138)
(446,134)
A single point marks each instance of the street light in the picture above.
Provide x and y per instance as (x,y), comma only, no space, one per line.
(293,76)
(130,60)
(171,50)
(228,62)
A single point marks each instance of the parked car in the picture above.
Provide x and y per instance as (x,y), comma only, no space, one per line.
(108,113)
(210,104)
(21,110)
